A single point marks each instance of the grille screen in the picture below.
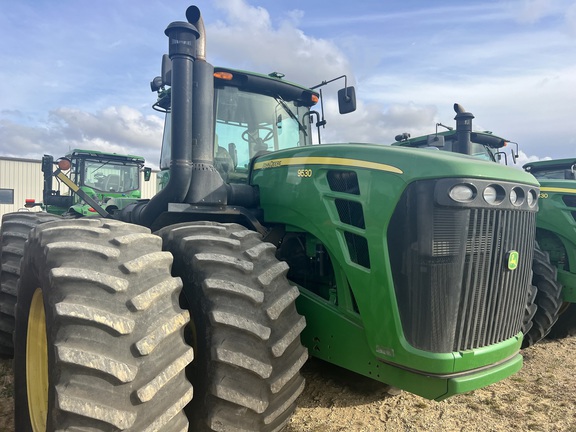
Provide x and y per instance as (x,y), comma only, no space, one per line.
(350,212)
(450,266)
(358,249)
(343,181)
(569,200)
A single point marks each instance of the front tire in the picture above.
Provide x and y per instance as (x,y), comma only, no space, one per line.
(13,236)
(246,331)
(98,340)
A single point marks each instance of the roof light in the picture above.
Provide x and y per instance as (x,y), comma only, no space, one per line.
(224,75)
(314,98)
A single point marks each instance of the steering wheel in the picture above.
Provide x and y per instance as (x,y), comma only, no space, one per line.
(259,143)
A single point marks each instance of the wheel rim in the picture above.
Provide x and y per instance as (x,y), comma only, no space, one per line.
(37,363)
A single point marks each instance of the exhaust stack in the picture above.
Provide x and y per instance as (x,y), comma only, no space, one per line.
(463,129)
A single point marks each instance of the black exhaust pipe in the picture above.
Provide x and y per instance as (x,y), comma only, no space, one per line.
(206,186)
(463,129)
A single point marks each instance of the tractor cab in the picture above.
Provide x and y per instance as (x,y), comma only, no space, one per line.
(559,169)
(111,180)
(254,114)
(106,173)
(483,145)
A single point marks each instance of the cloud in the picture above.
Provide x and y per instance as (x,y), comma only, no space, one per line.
(115,129)
(248,39)
(532,11)
(373,123)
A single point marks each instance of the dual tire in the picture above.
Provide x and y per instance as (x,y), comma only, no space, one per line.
(104,338)
(98,332)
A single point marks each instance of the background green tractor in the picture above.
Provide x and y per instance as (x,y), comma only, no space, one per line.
(408,267)
(545,302)
(110,179)
(556,230)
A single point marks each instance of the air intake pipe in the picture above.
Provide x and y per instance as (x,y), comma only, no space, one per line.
(463,129)
(182,52)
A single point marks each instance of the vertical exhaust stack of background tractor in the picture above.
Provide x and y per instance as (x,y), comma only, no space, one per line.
(545,300)
(408,267)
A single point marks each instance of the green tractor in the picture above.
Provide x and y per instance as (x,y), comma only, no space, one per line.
(197,308)
(544,305)
(556,231)
(110,179)
(102,183)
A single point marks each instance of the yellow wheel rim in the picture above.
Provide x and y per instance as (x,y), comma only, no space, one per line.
(37,364)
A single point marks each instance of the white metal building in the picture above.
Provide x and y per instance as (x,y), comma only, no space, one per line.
(22,178)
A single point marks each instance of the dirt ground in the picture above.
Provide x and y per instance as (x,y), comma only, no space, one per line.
(541,397)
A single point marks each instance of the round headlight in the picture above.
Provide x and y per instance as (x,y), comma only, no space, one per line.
(516,196)
(531,198)
(513,197)
(490,195)
(462,193)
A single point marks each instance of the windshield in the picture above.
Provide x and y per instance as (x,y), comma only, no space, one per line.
(108,176)
(555,174)
(249,124)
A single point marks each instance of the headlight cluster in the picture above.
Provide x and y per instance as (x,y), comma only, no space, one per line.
(493,194)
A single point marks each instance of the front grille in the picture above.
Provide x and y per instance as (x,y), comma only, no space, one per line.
(450,266)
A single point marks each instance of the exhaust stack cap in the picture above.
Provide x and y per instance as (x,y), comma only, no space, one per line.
(182,37)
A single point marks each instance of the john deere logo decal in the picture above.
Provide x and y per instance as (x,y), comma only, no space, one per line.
(512,259)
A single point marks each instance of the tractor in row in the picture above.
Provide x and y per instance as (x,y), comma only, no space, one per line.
(196,309)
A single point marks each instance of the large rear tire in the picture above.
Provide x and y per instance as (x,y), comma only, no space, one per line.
(99,332)
(13,234)
(548,299)
(246,331)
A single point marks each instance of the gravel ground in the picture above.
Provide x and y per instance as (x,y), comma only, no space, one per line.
(541,397)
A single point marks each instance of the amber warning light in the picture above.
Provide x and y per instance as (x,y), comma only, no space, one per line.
(64,164)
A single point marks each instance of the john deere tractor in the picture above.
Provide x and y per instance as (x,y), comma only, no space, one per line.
(556,231)
(544,304)
(197,308)
(111,179)
(98,184)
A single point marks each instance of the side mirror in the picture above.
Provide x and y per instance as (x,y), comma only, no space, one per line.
(166,73)
(147,173)
(347,100)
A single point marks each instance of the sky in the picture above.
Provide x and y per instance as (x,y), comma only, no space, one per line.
(76,73)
